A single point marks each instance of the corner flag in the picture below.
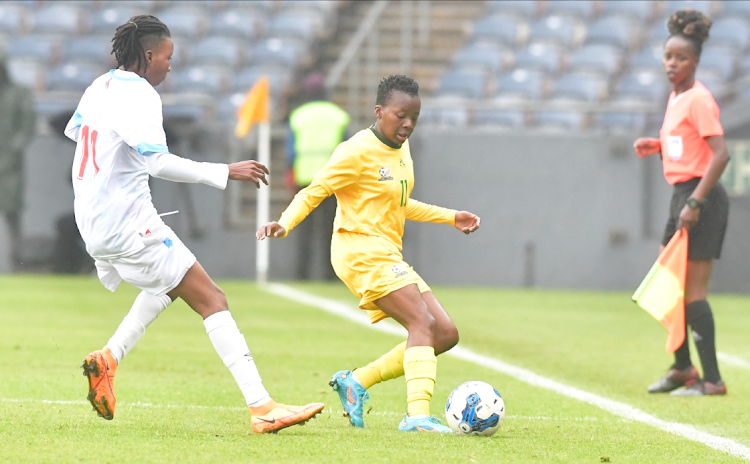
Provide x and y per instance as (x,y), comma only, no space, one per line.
(254,109)
(662,292)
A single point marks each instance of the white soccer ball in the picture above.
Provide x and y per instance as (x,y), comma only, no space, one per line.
(475,408)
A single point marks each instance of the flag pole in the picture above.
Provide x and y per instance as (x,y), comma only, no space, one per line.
(263,203)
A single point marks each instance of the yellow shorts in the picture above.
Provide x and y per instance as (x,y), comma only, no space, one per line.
(372,267)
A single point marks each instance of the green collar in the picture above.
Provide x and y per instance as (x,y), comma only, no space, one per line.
(383,139)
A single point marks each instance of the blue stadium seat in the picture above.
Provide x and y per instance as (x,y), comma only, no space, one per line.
(279,79)
(704,6)
(323,6)
(275,51)
(501,28)
(554,29)
(719,60)
(539,56)
(638,9)
(711,80)
(205,6)
(463,82)
(575,86)
(736,8)
(732,32)
(644,85)
(292,24)
(745,64)
(142,6)
(228,106)
(525,8)
(57,19)
(450,113)
(184,22)
(246,24)
(12,19)
(527,83)
(262,6)
(621,122)
(107,20)
(199,79)
(27,73)
(484,55)
(583,9)
(600,58)
(43,49)
(93,49)
(648,58)
(500,118)
(659,33)
(74,77)
(560,120)
(612,30)
(217,50)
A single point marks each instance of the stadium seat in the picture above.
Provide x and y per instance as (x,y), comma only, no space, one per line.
(485,55)
(644,85)
(43,49)
(228,106)
(279,79)
(637,9)
(704,6)
(74,77)
(525,8)
(722,61)
(712,80)
(745,60)
(293,24)
(736,8)
(142,6)
(199,79)
(275,51)
(449,110)
(246,24)
(527,83)
(93,49)
(204,6)
(27,73)
(261,6)
(500,118)
(648,58)
(323,6)
(184,22)
(601,58)
(13,19)
(560,121)
(732,32)
(501,28)
(539,56)
(224,51)
(583,9)
(463,82)
(621,122)
(554,29)
(577,86)
(107,20)
(659,33)
(612,30)
(57,19)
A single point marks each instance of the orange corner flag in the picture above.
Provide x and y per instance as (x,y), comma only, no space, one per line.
(662,292)
(254,109)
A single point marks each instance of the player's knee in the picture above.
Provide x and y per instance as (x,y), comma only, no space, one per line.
(446,338)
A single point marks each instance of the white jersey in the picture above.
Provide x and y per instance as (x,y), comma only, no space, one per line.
(118,129)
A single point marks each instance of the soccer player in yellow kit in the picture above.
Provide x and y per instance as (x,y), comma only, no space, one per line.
(372,176)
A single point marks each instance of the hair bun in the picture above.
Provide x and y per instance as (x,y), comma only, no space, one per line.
(690,23)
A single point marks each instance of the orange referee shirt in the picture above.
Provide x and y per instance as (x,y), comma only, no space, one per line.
(691,117)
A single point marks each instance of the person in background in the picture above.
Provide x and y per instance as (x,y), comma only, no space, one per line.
(315,130)
(17,129)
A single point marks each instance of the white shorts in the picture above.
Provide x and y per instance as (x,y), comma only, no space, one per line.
(156,269)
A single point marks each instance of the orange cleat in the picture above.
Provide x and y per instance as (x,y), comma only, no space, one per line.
(283,416)
(99,368)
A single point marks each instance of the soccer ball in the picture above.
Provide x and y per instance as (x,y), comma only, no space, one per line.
(475,408)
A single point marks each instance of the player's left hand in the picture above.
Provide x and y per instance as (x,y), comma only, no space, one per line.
(689,217)
(467,222)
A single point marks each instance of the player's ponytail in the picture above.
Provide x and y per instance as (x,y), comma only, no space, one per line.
(133,38)
(692,25)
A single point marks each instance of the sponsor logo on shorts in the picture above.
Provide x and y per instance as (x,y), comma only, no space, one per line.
(385,174)
(400,270)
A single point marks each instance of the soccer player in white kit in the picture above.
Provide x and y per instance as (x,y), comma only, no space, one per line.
(121,141)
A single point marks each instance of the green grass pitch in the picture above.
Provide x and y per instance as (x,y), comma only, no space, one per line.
(178,403)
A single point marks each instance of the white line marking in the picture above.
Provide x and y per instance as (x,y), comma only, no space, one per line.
(615,407)
(732,360)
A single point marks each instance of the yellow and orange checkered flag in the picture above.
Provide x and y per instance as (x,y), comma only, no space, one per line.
(662,292)
(254,109)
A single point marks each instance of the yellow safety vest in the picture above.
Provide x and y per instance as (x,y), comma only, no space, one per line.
(318,128)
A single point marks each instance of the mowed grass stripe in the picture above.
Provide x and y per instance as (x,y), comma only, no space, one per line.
(623,410)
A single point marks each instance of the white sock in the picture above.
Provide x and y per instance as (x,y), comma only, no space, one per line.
(233,350)
(146,308)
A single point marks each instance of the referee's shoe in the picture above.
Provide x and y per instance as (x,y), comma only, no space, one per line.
(675,379)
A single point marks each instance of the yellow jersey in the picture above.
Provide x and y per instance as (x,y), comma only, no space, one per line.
(372,180)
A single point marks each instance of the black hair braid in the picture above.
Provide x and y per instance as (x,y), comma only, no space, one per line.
(692,25)
(132,38)
(396,82)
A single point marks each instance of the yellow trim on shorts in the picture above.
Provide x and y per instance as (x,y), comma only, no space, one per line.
(368,300)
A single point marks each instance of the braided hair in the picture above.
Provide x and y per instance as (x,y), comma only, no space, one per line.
(135,36)
(692,25)
(396,82)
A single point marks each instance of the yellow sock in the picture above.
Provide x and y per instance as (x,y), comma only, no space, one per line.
(387,367)
(420,368)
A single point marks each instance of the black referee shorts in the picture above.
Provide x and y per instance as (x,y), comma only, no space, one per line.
(706,238)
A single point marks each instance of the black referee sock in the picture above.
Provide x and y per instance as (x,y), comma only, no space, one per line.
(701,321)
(682,355)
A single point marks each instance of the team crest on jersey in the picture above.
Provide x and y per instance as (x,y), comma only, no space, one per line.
(400,270)
(385,174)
(401,163)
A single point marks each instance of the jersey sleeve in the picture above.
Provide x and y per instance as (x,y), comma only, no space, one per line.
(342,170)
(704,116)
(140,122)
(423,212)
(303,203)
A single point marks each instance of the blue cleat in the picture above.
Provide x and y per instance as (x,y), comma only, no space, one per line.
(423,424)
(352,394)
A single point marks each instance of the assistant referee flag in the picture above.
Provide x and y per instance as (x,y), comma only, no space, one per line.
(662,292)
(254,109)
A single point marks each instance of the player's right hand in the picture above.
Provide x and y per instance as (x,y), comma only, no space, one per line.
(645,147)
(249,170)
(271,229)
